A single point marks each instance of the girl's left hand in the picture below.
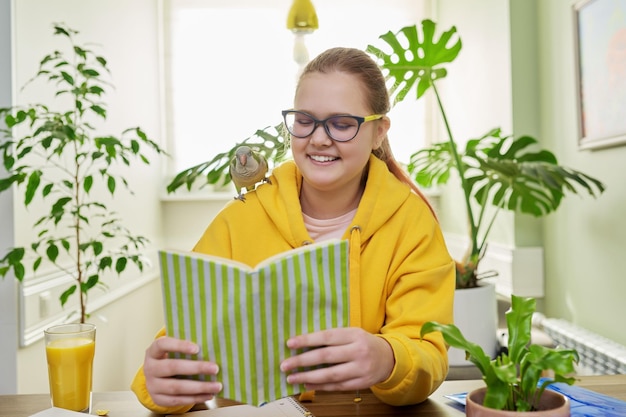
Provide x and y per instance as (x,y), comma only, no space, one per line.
(356,359)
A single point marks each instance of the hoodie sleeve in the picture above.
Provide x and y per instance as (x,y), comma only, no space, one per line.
(418,286)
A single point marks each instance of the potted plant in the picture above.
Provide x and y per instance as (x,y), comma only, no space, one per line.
(270,142)
(60,161)
(515,381)
(495,171)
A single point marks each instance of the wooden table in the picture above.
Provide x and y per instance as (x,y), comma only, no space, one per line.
(124,403)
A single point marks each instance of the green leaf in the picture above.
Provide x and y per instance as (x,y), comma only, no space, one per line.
(88,183)
(58,208)
(453,337)
(66,294)
(120,264)
(6,183)
(111,184)
(47,189)
(67,77)
(105,262)
(99,110)
(89,73)
(52,252)
(519,324)
(34,180)
(419,63)
(97,248)
(97,90)
(92,281)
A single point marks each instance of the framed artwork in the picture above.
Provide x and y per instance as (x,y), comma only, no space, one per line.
(600,38)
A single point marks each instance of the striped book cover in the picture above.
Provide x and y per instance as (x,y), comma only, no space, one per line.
(241,317)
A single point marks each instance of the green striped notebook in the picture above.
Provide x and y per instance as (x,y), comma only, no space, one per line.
(242,316)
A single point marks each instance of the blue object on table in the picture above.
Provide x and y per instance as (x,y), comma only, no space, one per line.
(583,402)
(587,403)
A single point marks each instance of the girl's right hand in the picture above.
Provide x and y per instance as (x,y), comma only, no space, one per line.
(161,374)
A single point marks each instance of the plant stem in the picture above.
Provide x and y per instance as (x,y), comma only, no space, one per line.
(76,116)
(461,170)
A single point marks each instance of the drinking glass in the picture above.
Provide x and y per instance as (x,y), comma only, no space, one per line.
(70,350)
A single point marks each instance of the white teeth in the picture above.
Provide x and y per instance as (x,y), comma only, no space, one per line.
(320,158)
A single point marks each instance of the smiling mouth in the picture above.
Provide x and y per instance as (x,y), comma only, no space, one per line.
(320,158)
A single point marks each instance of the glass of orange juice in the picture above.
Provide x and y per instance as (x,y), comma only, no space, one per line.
(70,350)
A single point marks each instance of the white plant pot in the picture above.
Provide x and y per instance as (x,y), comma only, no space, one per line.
(476,315)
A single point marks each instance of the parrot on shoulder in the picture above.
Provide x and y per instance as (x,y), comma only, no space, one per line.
(247,168)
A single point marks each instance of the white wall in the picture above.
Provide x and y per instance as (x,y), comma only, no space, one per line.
(126,33)
(8,301)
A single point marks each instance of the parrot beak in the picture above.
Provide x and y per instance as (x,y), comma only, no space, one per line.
(243,159)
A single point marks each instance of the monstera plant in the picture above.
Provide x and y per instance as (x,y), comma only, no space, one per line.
(496,171)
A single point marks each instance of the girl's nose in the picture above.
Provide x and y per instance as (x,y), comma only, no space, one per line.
(319,137)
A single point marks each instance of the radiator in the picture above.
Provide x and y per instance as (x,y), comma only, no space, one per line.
(598,355)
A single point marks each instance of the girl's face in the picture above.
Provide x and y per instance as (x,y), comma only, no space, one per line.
(328,165)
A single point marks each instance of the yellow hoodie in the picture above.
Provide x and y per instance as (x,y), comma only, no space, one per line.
(401,274)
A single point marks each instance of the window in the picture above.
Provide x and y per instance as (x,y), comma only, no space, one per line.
(230,69)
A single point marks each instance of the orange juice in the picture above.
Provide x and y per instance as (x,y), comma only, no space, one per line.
(69,370)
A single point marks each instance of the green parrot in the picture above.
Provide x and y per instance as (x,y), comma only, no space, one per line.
(247,168)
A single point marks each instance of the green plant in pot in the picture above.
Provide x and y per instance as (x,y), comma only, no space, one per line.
(66,169)
(270,142)
(514,379)
(496,171)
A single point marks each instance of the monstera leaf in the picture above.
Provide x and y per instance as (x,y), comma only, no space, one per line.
(419,62)
(506,172)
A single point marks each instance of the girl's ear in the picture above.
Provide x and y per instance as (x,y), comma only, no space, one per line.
(382,128)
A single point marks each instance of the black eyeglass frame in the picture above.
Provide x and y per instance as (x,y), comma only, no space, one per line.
(359,119)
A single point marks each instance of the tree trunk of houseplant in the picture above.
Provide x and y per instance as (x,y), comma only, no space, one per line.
(551,403)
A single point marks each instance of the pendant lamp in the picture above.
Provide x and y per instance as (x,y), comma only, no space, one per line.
(301,20)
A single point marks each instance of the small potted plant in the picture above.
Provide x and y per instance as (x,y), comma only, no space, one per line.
(52,155)
(515,380)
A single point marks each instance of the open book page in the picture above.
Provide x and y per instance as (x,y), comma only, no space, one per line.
(241,318)
(284,407)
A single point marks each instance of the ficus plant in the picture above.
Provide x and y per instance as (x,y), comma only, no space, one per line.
(61,161)
(496,171)
(515,380)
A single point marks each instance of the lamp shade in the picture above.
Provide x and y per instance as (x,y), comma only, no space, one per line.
(302,17)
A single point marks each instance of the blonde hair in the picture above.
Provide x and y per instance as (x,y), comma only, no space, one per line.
(358,63)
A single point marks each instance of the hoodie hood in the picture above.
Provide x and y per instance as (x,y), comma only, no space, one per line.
(282,204)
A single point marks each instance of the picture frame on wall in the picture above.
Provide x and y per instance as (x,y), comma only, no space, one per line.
(600,43)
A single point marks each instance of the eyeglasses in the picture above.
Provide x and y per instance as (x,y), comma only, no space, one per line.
(339,128)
